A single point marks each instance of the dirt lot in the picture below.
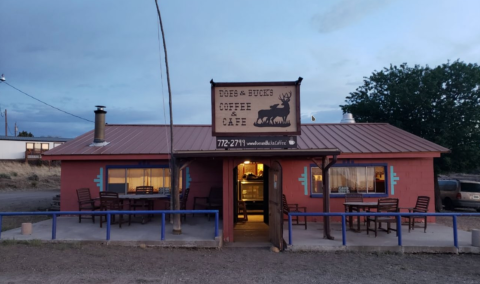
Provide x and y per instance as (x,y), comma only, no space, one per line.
(67,263)
(26,187)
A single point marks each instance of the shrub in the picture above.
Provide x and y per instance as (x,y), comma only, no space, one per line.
(5,176)
(33,177)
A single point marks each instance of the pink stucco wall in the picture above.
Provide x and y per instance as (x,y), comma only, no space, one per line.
(78,174)
(204,174)
(415,178)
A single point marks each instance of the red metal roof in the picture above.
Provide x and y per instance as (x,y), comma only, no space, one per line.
(154,139)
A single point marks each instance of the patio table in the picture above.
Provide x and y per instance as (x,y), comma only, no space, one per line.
(132,197)
(358,205)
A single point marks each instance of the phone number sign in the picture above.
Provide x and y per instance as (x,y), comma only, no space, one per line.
(257,142)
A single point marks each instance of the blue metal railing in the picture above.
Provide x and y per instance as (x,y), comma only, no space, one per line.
(108,214)
(397,214)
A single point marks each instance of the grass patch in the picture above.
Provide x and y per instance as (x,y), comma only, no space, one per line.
(19,175)
(35,243)
(65,246)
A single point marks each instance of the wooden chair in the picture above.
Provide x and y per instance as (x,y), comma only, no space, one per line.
(110,201)
(142,204)
(353,197)
(213,201)
(293,207)
(420,207)
(183,202)
(384,205)
(86,203)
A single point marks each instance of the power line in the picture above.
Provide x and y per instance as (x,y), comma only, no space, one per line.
(47,103)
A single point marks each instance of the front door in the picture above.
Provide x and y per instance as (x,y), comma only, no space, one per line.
(275,205)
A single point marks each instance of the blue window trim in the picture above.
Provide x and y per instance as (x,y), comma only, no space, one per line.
(345,165)
(129,167)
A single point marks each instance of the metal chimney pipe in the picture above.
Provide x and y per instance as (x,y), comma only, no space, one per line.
(99,136)
(347,118)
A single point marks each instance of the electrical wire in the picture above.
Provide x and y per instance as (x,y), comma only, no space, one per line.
(11,133)
(47,103)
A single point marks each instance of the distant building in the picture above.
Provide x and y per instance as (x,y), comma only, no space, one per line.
(21,148)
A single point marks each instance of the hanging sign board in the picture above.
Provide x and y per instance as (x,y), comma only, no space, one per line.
(255,109)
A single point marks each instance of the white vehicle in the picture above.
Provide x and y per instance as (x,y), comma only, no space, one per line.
(460,194)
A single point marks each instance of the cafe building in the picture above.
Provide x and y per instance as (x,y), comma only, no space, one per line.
(254,152)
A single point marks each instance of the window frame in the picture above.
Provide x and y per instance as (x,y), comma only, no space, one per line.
(342,195)
(126,167)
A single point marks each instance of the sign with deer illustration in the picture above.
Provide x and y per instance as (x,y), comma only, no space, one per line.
(255,109)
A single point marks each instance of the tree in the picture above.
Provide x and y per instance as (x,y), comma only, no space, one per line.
(25,134)
(439,104)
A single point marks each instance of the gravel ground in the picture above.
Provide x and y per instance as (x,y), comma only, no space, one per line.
(466,223)
(94,263)
(68,263)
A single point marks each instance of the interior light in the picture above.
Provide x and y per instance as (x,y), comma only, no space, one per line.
(246,162)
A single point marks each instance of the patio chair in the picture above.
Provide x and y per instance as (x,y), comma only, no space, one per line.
(142,204)
(183,202)
(213,201)
(293,207)
(420,207)
(110,201)
(384,205)
(86,203)
(353,197)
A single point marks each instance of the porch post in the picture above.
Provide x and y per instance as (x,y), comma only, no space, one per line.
(326,195)
(177,227)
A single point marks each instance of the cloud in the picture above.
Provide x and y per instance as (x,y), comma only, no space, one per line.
(346,13)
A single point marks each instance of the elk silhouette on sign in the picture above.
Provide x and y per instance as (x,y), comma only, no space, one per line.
(266,117)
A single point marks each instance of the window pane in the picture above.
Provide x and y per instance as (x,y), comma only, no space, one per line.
(370,179)
(180,182)
(357,180)
(135,177)
(44,146)
(470,187)
(30,146)
(343,180)
(116,180)
(156,179)
(380,186)
(317,185)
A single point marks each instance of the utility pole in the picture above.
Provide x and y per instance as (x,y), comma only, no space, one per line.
(175,194)
(6,123)
(16,129)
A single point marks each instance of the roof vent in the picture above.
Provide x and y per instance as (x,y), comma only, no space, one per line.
(347,118)
(99,135)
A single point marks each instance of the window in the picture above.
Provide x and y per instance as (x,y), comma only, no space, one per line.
(126,180)
(37,147)
(358,179)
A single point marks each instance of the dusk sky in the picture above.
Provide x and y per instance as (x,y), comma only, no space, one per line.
(78,54)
